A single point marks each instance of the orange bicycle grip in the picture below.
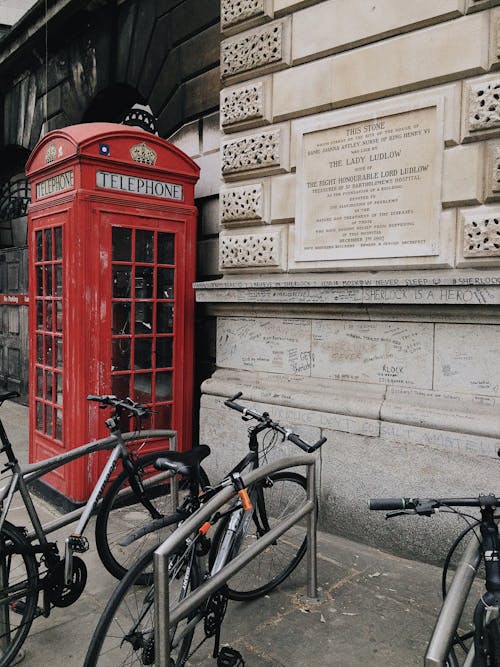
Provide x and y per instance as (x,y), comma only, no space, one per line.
(246,503)
(203,530)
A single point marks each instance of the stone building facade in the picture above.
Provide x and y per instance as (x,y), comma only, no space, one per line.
(360,246)
(348,254)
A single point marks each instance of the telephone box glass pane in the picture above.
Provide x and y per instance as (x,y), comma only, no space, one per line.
(163,386)
(58,268)
(121,282)
(166,248)
(39,349)
(59,319)
(59,353)
(164,352)
(39,281)
(39,314)
(49,379)
(120,354)
(120,385)
(144,246)
(48,351)
(39,246)
(39,382)
(165,289)
(48,419)
(143,282)
(121,318)
(48,244)
(143,387)
(122,244)
(164,318)
(143,318)
(39,416)
(59,389)
(58,243)
(48,316)
(143,353)
(58,433)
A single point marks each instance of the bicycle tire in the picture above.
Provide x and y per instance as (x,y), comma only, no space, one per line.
(124,633)
(287,491)
(20,591)
(118,517)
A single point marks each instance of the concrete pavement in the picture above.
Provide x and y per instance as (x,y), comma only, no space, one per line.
(375,609)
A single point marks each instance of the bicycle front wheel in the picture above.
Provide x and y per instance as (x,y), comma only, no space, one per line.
(275,498)
(122,513)
(18,591)
(125,632)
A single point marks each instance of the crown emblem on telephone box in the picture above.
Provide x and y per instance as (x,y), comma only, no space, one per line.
(143,154)
(50,154)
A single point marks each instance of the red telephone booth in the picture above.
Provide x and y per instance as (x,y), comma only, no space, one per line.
(112,228)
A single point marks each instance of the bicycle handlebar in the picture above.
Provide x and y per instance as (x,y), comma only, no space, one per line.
(425,505)
(125,404)
(266,420)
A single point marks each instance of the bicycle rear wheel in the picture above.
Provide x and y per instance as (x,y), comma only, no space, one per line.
(18,591)
(122,513)
(275,498)
(125,632)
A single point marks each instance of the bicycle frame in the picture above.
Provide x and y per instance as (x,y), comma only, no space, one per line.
(25,474)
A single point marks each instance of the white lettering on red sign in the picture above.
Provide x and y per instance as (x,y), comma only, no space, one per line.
(14,299)
(139,186)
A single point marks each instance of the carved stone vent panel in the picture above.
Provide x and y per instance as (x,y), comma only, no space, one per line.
(258,151)
(250,250)
(484,106)
(237,11)
(242,204)
(482,236)
(253,50)
(242,104)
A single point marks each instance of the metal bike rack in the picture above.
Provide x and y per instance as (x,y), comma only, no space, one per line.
(453,604)
(36,470)
(164,617)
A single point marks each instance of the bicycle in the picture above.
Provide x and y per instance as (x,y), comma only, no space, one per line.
(125,631)
(30,564)
(481,646)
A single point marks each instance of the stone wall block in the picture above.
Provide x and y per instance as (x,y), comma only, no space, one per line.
(253,250)
(384,19)
(463,168)
(484,106)
(264,153)
(492,172)
(246,106)
(245,204)
(241,14)
(265,49)
(479,5)
(481,234)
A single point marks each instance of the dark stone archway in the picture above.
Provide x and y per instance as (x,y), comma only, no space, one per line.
(83,62)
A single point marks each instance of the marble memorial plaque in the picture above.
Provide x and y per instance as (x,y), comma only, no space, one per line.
(371,188)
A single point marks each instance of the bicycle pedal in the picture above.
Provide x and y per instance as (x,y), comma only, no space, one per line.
(78,544)
(19,607)
(230,657)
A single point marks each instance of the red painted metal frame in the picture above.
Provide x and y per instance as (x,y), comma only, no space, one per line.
(87,214)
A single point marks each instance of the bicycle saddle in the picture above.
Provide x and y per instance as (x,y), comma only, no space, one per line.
(183,462)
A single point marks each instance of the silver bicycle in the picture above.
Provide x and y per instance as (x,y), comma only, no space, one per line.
(34,576)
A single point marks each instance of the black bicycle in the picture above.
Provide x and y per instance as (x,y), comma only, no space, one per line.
(125,632)
(448,647)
